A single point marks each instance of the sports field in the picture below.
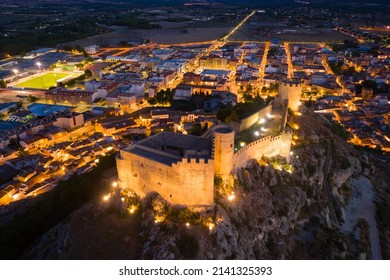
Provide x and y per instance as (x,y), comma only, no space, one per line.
(43,82)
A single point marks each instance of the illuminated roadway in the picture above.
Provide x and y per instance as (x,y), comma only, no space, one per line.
(263,64)
(290,67)
(216,44)
(224,38)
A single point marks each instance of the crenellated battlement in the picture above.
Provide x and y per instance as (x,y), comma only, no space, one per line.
(268,146)
(262,140)
(182,168)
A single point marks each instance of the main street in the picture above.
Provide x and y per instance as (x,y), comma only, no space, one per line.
(290,67)
(329,71)
(263,64)
(216,44)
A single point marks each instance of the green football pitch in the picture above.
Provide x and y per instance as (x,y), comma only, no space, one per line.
(43,82)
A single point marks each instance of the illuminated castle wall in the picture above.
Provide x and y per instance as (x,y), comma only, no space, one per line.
(291,90)
(182,168)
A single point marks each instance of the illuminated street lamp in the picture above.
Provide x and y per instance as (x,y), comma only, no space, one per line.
(231,197)
(114,184)
(16,71)
(39,65)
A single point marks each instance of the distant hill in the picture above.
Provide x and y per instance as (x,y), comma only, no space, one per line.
(249,3)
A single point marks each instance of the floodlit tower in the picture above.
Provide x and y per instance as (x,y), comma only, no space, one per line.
(223,150)
(291,90)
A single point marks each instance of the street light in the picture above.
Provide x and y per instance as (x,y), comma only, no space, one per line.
(39,65)
(16,71)
(231,197)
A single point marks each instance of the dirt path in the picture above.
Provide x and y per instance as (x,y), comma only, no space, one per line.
(362,206)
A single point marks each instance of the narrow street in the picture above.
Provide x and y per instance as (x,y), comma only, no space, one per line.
(290,70)
(263,64)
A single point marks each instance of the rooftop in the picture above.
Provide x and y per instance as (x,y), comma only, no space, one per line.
(169,148)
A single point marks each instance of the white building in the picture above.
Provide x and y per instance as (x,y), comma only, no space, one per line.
(71,121)
(183,92)
(175,65)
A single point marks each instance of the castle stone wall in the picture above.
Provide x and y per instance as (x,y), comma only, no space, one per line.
(292,92)
(188,182)
(223,150)
(267,146)
(252,119)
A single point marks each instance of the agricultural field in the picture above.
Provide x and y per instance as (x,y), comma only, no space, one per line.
(45,81)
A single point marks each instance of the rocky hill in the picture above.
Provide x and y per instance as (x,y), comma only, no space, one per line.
(323,204)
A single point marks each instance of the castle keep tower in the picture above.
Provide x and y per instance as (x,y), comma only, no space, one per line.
(179,167)
(291,90)
(223,150)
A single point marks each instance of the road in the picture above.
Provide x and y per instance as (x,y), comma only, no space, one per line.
(226,37)
(263,64)
(290,67)
(329,71)
(11,95)
(290,42)
(328,190)
(214,46)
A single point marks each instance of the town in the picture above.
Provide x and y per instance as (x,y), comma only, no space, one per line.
(194,129)
(64,110)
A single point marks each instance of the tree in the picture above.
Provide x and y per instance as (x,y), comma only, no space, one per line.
(87,73)
(273,87)
(196,129)
(164,97)
(223,113)
(247,98)
(152,101)
(32,99)
(233,117)
(3,84)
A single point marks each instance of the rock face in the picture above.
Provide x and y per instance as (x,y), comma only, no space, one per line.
(266,208)
(279,211)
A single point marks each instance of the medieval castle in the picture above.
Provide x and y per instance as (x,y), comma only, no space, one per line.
(182,168)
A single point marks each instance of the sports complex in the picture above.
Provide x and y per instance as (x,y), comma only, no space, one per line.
(45,81)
